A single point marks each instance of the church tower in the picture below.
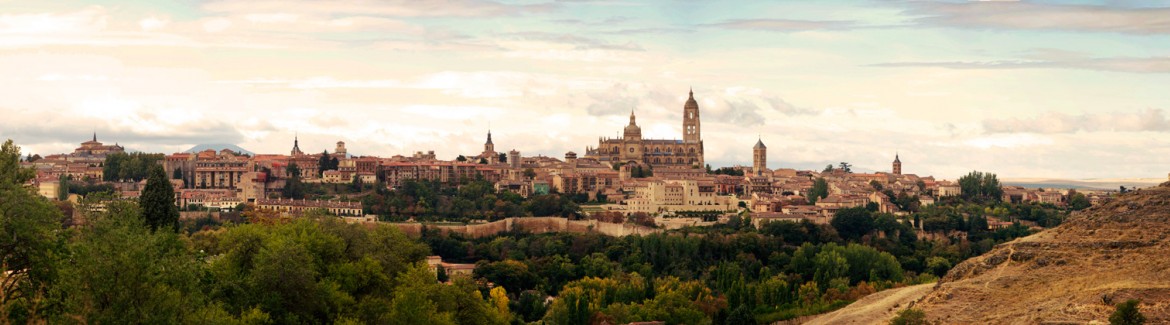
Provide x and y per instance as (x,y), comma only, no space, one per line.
(296,150)
(759,158)
(489,146)
(691,120)
(897,165)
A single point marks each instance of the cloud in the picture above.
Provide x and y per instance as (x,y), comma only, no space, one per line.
(90,19)
(1152,120)
(1037,16)
(1114,64)
(392,8)
(785,25)
(578,42)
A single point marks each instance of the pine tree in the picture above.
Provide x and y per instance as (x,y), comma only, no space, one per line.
(1127,314)
(158,201)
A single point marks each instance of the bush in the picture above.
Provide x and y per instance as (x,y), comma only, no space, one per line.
(1127,314)
(910,316)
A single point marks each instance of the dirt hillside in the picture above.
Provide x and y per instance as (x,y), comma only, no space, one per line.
(1070,274)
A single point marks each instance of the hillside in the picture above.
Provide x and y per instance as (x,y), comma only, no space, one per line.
(1069,274)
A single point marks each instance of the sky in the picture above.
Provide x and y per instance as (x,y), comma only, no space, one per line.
(1073,90)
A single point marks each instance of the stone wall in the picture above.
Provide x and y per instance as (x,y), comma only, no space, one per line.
(536,225)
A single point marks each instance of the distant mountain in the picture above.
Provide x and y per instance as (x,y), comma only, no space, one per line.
(1099,183)
(218,147)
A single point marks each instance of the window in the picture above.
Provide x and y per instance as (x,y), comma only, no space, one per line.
(631,149)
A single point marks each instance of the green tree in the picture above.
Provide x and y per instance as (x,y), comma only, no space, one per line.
(178,174)
(1078,201)
(28,236)
(119,272)
(503,157)
(846,167)
(1127,313)
(820,190)
(852,223)
(980,186)
(461,158)
(323,163)
(158,201)
(293,187)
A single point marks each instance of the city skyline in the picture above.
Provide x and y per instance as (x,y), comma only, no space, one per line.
(1018,89)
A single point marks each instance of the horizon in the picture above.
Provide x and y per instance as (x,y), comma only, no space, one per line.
(950,87)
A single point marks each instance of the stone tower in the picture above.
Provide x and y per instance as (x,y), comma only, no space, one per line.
(340,150)
(897,165)
(632,138)
(759,158)
(296,150)
(514,158)
(489,146)
(691,120)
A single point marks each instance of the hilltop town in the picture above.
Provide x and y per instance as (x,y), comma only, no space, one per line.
(666,178)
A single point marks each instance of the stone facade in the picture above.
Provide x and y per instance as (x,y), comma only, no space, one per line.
(632,148)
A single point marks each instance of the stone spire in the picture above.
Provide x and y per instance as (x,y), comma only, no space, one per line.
(296,149)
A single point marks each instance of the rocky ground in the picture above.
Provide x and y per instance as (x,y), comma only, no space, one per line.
(1073,273)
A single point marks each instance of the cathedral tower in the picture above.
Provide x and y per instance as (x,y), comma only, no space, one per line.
(759,158)
(691,120)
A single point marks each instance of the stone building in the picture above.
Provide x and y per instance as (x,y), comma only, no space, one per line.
(897,165)
(95,149)
(632,148)
(759,158)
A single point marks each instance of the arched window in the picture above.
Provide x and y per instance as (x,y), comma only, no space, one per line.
(656,149)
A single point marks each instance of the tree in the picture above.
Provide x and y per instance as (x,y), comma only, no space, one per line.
(323,163)
(158,202)
(293,188)
(483,161)
(1078,201)
(820,190)
(852,223)
(828,168)
(846,167)
(1127,313)
(178,174)
(118,272)
(503,157)
(461,158)
(980,186)
(28,234)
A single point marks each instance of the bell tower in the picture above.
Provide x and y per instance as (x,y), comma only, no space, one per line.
(691,120)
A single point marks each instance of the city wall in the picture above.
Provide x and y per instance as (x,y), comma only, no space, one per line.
(536,225)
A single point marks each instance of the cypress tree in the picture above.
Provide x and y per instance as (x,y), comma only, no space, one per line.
(158,201)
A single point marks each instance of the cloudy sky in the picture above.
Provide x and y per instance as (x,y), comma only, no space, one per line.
(1022,89)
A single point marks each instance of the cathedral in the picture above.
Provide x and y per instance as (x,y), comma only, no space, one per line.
(687,152)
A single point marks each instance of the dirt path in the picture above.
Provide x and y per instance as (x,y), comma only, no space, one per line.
(999,271)
(876,308)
